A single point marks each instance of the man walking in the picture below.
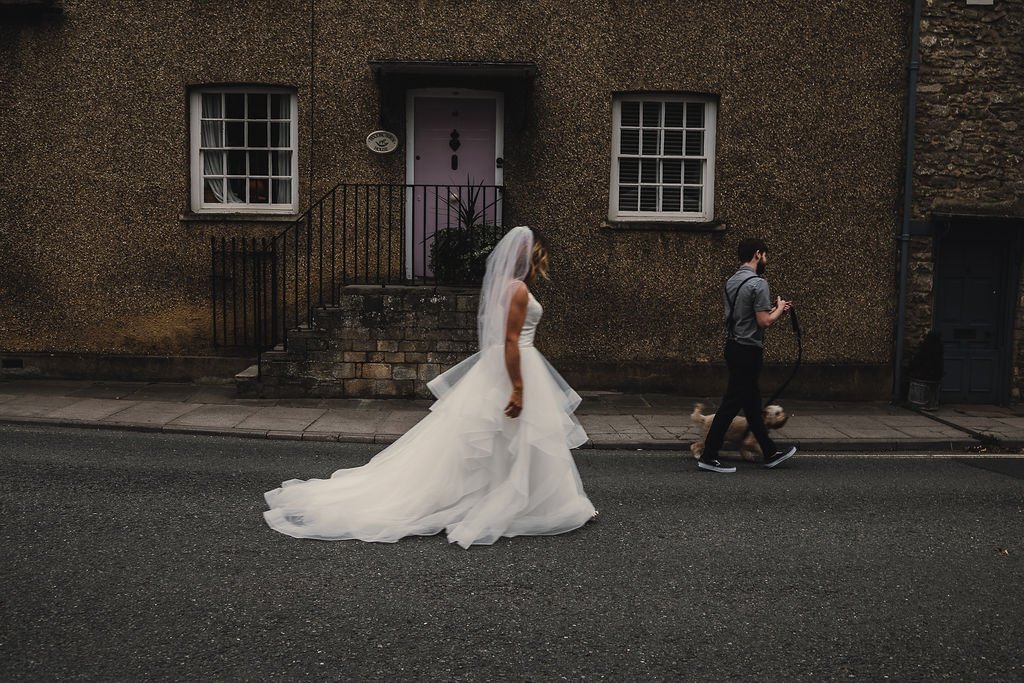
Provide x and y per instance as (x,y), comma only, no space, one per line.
(748,312)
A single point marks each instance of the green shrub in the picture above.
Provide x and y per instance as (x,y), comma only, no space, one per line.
(458,256)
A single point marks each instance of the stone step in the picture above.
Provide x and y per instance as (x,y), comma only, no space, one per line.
(251,372)
(247,382)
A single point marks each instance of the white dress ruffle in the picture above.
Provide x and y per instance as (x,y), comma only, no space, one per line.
(465,469)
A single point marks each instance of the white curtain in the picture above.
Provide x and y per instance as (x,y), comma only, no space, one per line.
(212,149)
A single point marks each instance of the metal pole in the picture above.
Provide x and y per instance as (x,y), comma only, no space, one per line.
(213,284)
(908,195)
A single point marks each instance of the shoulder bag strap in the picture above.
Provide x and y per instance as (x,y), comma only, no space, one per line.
(732,305)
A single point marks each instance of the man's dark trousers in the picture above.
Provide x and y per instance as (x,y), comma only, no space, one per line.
(744,362)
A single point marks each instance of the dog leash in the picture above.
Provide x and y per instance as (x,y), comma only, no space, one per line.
(795,322)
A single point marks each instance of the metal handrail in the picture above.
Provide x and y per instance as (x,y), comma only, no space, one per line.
(356,233)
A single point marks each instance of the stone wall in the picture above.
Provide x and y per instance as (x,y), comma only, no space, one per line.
(377,343)
(969,146)
(920,288)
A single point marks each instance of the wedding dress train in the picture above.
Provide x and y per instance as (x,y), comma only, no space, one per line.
(465,469)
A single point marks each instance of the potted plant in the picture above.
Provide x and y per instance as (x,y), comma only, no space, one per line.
(458,253)
(458,256)
(925,372)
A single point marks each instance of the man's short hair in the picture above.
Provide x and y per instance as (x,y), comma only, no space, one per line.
(747,247)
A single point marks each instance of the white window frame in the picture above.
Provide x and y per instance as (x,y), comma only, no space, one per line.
(707,212)
(195,149)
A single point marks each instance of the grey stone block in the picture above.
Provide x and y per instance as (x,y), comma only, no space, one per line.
(402,371)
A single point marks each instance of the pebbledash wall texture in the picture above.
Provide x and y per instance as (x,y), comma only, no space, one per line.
(100,252)
(969,146)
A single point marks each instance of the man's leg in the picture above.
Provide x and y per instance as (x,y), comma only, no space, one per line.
(773,455)
(730,407)
(752,409)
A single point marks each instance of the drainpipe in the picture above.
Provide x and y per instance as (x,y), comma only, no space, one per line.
(908,194)
(312,99)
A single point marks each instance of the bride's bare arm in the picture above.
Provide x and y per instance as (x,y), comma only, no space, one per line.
(514,325)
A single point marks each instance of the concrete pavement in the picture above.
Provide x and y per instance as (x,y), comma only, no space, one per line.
(612,419)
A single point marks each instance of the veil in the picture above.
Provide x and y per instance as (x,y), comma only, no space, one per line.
(509,262)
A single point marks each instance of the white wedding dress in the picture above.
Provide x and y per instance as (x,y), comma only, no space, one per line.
(466,468)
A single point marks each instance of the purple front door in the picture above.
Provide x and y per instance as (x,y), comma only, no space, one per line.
(455,167)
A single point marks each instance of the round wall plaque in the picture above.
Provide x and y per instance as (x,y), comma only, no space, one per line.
(382,141)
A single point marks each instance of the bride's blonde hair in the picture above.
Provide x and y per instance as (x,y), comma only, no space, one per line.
(538,260)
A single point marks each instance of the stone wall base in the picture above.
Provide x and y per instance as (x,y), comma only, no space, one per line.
(121,367)
(377,343)
(813,381)
(389,343)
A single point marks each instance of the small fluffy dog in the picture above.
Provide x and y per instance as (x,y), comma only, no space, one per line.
(774,417)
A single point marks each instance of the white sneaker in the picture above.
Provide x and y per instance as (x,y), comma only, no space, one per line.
(714,466)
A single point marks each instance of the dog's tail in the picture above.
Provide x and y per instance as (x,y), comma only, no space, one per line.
(698,413)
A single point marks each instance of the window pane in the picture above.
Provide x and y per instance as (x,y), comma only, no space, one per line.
(694,143)
(257,106)
(673,114)
(258,134)
(692,199)
(212,134)
(234,105)
(670,199)
(648,199)
(631,114)
(211,106)
(629,170)
(236,190)
(213,191)
(694,115)
(650,142)
(280,135)
(213,163)
(235,133)
(258,163)
(672,171)
(630,143)
(628,196)
(694,172)
(652,114)
(280,107)
(281,163)
(259,190)
(649,171)
(236,163)
(673,142)
(282,191)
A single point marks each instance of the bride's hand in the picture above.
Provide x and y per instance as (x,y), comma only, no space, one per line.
(515,403)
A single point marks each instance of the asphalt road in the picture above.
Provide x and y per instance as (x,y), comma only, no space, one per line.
(132,556)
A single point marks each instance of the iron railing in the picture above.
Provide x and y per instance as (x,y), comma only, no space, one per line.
(372,234)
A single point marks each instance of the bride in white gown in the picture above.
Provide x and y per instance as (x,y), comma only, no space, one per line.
(491,459)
